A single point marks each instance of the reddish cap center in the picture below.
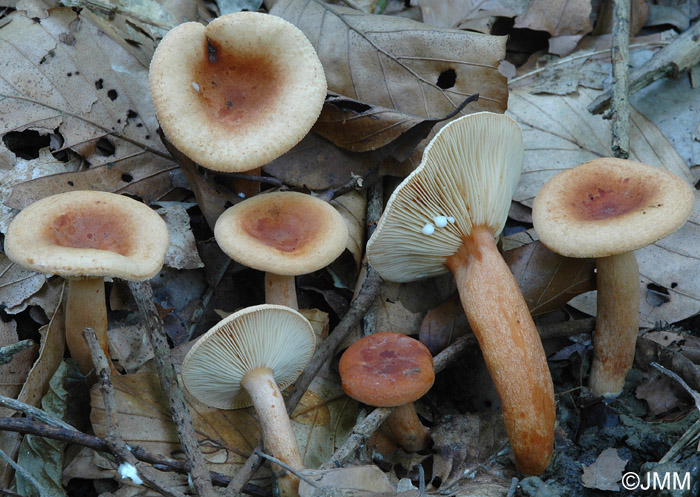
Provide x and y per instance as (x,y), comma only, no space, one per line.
(285,229)
(235,88)
(95,227)
(605,198)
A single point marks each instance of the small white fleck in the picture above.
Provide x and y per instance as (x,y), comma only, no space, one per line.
(189,481)
(451,219)
(428,229)
(241,194)
(127,470)
(440,221)
(195,86)
(127,447)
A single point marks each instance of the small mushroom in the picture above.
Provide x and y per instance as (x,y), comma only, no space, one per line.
(247,359)
(84,236)
(469,172)
(285,234)
(607,208)
(389,369)
(237,93)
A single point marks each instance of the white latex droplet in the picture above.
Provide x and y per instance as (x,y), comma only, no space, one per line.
(195,86)
(428,229)
(451,220)
(127,470)
(440,221)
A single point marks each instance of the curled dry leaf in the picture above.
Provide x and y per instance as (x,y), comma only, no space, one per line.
(16,283)
(560,18)
(182,252)
(353,207)
(659,391)
(63,75)
(37,383)
(398,63)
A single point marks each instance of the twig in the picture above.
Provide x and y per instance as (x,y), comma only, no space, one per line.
(285,466)
(19,469)
(34,411)
(695,395)
(690,436)
(513,487)
(114,439)
(677,57)
(161,463)
(360,433)
(199,312)
(620,55)
(8,351)
(196,465)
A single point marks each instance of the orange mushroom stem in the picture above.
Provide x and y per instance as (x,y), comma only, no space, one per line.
(511,346)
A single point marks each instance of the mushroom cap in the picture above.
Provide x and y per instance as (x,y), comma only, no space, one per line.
(469,172)
(386,369)
(88,234)
(238,93)
(285,233)
(609,206)
(263,336)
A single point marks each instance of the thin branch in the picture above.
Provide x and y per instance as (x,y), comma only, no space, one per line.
(677,57)
(70,435)
(35,412)
(114,439)
(197,468)
(25,474)
(620,100)
(8,351)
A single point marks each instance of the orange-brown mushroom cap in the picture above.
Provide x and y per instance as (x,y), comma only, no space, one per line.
(386,369)
(285,233)
(238,93)
(610,206)
(88,234)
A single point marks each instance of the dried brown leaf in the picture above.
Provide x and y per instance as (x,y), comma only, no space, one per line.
(648,351)
(557,17)
(16,283)
(659,391)
(353,207)
(605,472)
(475,15)
(182,252)
(64,73)
(36,384)
(398,63)
(14,373)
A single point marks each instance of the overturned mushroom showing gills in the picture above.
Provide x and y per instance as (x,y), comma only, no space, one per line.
(238,93)
(247,359)
(467,177)
(607,208)
(389,369)
(285,234)
(84,236)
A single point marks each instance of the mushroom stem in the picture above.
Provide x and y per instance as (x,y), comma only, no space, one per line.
(279,439)
(511,347)
(281,290)
(407,429)
(617,323)
(86,308)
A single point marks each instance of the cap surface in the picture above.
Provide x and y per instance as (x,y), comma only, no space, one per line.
(610,206)
(88,233)
(286,233)
(386,369)
(238,93)
(262,336)
(467,178)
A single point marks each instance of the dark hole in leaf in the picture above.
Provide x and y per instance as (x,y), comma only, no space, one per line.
(131,114)
(112,94)
(139,125)
(99,84)
(352,105)
(447,79)
(69,74)
(26,144)
(70,183)
(105,147)
(437,481)
(674,284)
(657,295)
(127,178)
(148,137)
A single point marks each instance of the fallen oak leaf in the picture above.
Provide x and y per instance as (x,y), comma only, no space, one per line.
(399,63)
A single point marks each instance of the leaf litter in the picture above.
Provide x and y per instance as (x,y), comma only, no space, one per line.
(100,130)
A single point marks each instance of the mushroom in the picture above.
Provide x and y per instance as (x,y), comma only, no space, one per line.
(238,93)
(390,369)
(84,236)
(246,359)
(444,217)
(607,208)
(285,234)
